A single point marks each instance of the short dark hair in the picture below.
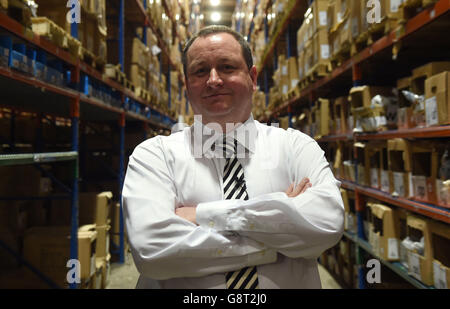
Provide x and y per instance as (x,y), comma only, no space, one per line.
(246,51)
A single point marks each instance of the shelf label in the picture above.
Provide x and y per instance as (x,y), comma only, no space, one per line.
(414,265)
(439,275)
(384,181)
(431,111)
(323,20)
(394,5)
(393,248)
(325,51)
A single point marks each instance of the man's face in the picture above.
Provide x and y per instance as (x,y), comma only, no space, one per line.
(219,84)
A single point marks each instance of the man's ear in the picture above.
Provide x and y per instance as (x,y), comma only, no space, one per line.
(254,76)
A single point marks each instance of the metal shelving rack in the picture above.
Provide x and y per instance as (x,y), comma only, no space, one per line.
(25,90)
(350,73)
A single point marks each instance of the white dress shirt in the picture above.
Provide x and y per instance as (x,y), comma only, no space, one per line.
(283,236)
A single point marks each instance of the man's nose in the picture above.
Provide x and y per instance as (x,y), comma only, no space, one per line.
(214,78)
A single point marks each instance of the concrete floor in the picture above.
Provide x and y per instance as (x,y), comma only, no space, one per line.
(125,276)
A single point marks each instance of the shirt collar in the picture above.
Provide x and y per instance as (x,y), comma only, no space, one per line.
(204,135)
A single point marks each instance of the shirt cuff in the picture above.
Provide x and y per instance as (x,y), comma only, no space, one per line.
(230,215)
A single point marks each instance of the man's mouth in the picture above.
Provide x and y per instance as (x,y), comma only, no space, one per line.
(214,95)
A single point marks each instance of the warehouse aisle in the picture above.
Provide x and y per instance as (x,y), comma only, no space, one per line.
(125,276)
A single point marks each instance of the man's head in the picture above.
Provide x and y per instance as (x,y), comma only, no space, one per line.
(246,50)
(219,75)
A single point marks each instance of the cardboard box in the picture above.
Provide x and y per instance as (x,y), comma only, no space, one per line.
(361,96)
(317,15)
(321,47)
(424,168)
(350,214)
(322,114)
(437,99)
(362,176)
(48,249)
(385,236)
(420,261)
(94,208)
(374,162)
(399,161)
(103,239)
(440,236)
(293,73)
(87,242)
(420,74)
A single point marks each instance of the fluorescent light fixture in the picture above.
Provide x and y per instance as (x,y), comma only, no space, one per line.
(214,2)
(216,16)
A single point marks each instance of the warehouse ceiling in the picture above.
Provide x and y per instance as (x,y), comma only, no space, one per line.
(224,7)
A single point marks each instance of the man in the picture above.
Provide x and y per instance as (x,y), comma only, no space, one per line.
(191,224)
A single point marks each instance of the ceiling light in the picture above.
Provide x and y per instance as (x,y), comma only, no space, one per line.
(214,2)
(216,16)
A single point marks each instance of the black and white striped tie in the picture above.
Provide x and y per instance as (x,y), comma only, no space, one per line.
(234,187)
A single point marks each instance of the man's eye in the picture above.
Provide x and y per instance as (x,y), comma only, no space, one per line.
(200,71)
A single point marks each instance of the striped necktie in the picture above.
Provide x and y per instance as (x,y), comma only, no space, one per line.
(234,187)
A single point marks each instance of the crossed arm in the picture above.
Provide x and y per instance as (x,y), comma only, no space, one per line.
(189,213)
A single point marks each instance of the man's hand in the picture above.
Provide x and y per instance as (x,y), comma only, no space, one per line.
(299,189)
(187,213)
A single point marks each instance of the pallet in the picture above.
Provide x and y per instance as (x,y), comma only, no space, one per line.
(410,8)
(142,93)
(19,11)
(359,43)
(318,71)
(114,72)
(44,27)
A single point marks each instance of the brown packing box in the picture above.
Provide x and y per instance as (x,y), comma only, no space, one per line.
(322,117)
(103,239)
(437,99)
(87,242)
(399,161)
(355,19)
(318,15)
(23,181)
(385,235)
(362,177)
(441,254)
(374,162)
(321,47)
(361,96)
(94,207)
(424,158)
(420,74)
(420,265)
(405,118)
(293,72)
(48,249)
